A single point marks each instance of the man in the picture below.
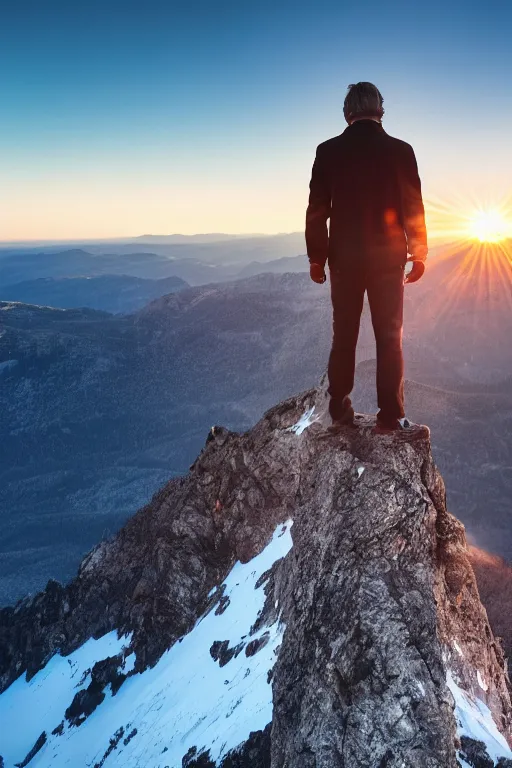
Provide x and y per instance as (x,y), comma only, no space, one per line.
(366,182)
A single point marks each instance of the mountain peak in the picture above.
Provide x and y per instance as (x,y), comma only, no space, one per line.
(301,598)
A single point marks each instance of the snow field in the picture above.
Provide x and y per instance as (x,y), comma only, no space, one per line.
(186,700)
(474,719)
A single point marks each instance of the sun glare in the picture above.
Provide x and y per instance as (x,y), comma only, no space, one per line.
(488,226)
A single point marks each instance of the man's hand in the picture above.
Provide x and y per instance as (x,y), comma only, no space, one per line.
(417,271)
(317,273)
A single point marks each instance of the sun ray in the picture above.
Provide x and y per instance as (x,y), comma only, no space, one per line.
(471,263)
(457,219)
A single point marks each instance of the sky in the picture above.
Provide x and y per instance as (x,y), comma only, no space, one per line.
(120,119)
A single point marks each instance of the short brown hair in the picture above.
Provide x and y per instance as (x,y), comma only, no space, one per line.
(363,100)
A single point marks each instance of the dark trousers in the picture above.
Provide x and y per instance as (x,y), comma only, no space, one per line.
(386,298)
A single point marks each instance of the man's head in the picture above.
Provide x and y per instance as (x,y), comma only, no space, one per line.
(363,100)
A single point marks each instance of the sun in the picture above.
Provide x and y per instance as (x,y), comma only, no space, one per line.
(488,226)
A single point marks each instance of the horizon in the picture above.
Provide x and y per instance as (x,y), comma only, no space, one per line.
(435,240)
(130,238)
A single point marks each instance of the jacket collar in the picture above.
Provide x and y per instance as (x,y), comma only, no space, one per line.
(366,125)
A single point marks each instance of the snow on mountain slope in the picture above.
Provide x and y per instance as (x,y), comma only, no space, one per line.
(40,703)
(475,721)
(189,699)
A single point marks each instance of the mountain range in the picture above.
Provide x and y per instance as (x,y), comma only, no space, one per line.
(97,411)
(195,261)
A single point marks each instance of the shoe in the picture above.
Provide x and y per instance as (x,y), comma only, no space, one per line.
(398,425)
(346,419)
(402,430)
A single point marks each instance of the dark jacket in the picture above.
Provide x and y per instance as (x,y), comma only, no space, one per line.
(367,183)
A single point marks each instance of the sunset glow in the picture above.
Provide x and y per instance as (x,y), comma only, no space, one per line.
(489,226)
(471,245)
(460,220)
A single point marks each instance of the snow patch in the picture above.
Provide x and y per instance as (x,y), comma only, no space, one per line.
(304,422)
(360,471)
(129,663)
(474,719)
(187,699)
(421,687)
(29,708)
(458,648)
(481,682)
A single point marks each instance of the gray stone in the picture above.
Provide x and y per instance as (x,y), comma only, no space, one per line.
(475,753)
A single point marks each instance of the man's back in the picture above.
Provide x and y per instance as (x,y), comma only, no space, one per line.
(367,183)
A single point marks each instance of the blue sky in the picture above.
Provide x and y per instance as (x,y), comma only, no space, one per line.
(123,118)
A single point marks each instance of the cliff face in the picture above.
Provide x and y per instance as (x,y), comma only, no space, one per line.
(301,599)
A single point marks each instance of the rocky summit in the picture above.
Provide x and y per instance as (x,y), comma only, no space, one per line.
(301,599)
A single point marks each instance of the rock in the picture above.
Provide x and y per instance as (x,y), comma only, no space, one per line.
(221,652)
(41,741)
(475,753)
(193,760)
(223,604)
(103,673)
(256,645)
(130,736)
(253,753)
(114,741)
(83,705)
(377,595)
(107,672)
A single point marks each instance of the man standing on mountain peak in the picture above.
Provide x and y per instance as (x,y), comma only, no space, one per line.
(366,182)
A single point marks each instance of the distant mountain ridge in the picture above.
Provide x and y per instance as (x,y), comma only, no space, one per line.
(220,259)
(207,237)
(195,265)
(110,293)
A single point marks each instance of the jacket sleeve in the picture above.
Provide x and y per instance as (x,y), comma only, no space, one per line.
(318,211)
(413,209)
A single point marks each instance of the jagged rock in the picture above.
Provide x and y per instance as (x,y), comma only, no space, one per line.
(83,705)
(223,604)
(256,645)
(107,672)
(41,741)
(475,753)
(103,673)
(253,753)
(114,741)
(193,760)
(221,652)
(130,736)
(383,622)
